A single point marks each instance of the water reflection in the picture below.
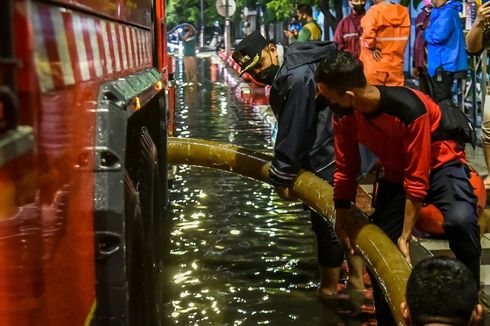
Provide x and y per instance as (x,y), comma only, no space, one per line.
(239,255)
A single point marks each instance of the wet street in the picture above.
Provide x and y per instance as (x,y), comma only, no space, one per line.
(239,255)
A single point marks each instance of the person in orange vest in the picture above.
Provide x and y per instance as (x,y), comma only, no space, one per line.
(386,28)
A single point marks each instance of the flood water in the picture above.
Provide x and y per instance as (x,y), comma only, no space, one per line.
(239,255)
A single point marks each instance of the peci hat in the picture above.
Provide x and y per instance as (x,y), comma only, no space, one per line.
(249,51)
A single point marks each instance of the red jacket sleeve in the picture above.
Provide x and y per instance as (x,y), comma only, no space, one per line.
(417,148)
(347,160)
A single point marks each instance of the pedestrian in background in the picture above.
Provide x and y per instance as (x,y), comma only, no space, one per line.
(477,39)
(385,32)
(420,49)
(189,37)
(446,50)
(310,31)
(348,32)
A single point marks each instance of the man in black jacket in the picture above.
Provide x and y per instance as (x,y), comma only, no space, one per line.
(305,135)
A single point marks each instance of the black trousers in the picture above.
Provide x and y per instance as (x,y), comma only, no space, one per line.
(424,81)
(329,252)
(451,192)
(441,85)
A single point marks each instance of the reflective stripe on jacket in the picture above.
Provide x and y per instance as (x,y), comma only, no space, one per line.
(348,34)
(385,26)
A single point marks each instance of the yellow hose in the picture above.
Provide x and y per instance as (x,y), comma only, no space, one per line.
(378,251)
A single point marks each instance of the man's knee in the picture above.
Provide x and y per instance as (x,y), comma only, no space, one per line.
(461,217)
(461,227)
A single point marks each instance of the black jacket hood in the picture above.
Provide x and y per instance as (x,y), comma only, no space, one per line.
(300,53)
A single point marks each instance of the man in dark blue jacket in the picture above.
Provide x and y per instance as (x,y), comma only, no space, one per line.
(305,135)
(446,51)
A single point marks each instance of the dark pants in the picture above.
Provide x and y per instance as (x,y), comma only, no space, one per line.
(442,84)
(329,252)
(451,192)
(424,81)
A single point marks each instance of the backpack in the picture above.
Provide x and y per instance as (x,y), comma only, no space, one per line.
(454,125)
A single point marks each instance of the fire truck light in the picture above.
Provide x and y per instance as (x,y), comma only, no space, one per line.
(158,86)
(136,103)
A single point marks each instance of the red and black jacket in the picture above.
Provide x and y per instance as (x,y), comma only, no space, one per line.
(399,134)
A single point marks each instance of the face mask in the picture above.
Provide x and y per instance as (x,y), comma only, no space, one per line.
(337,108)
(303,21)
(359,8)
(267,75)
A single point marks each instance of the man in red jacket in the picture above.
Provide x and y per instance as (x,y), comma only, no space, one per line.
(397,124)
(348,32)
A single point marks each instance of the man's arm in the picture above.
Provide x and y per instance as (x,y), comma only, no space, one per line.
(439,29)
(295,137)
(369,26)
(412,208)
(339,35)
(417,147)
(348,162)
(190,33)
(304,35)
(474,38)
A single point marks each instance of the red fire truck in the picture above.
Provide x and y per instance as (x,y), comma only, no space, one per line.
(84,95)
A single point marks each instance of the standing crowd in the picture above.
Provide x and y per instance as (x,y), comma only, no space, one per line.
(343,105)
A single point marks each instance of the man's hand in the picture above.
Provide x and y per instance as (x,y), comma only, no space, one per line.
(403,245)
(291,33)
(482,14)
(340,229)
(376,53)
(412,208)
(286,193)
(415,73)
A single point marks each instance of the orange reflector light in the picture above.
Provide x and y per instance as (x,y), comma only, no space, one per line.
(158,86)
(136,103)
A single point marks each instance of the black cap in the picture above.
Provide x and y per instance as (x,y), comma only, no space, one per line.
(249,51)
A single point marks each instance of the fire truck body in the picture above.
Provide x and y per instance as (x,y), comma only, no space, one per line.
(82,162)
